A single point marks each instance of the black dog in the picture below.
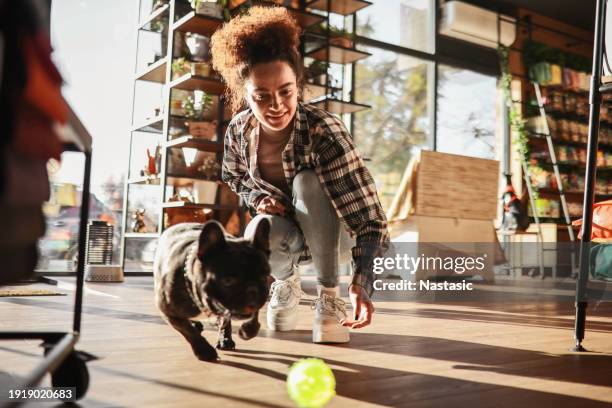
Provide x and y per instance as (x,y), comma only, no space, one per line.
(199,270)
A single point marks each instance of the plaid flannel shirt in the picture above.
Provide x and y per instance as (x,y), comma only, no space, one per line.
(321,142)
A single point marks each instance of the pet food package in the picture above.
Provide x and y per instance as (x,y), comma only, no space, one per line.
(546,208)
(602,220)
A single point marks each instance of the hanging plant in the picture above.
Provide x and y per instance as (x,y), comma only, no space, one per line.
(517,123)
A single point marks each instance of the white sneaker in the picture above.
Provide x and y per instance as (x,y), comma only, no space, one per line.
(283,304)
(329,310)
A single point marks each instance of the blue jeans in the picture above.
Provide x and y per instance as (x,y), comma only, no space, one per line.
(317,225)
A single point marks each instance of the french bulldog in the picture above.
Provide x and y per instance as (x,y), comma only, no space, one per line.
(199,270)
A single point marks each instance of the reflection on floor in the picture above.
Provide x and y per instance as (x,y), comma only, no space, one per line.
(417,354)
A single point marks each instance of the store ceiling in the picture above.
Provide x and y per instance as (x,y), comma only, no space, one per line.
(579,13)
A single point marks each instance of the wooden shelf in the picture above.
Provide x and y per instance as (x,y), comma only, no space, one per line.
(153,180)
(155,72)
(153,16)
(337,54)
(304,18)
(314,91)
(191,82)
(195,206)
(195,143)
(172,179)
(343,7)
(573,166)
(570,194)
(151,125)
(141,234)
(337,106)
(540,137)
(197,23)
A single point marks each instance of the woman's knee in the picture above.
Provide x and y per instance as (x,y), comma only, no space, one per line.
(280,229)
(306,184)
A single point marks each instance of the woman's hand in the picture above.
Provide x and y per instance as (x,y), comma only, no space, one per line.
(362,307)
(269,205)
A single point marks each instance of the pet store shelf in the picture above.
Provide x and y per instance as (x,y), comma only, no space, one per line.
(156,15)
(198,23)
(142,234)
(195,143)
(339,107)
(173,179)
(155,72)
(541,137)
(195,206)
(144,180)
(343,7)
(314,91)
(304,18)
(151,125)
(337,54)
(574,195)
(190,82)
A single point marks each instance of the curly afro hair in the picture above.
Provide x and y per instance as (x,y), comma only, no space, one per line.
(263,34)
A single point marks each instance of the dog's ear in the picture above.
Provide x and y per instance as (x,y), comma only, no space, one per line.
(261,237)
(212,237)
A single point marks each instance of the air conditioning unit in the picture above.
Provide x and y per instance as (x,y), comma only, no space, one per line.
(476,25)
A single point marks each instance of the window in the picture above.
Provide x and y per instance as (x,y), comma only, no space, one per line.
(94,50)
(466,112)
(398,88)
(408,23)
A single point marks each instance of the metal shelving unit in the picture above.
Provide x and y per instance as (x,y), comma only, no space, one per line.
(326,96)
(171,131)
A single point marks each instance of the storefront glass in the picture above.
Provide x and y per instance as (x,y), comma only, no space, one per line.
(466,112)
(398,124)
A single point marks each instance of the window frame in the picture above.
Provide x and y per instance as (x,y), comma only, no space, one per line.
(437,57)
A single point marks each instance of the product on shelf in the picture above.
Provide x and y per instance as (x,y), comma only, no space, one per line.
(546,208)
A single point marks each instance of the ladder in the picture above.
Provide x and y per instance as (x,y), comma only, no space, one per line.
(555,164)
(595,99)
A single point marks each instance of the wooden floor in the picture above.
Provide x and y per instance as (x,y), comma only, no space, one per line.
(425,354)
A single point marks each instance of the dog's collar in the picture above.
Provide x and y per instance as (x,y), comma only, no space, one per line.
(189,281)
(190,261)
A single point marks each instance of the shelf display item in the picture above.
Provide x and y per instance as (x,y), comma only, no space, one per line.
(546,208)
(207,8)
(205,129)
(198,46)
(138,224)
(201,69)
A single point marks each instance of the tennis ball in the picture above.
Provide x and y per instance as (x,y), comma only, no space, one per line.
(311,383)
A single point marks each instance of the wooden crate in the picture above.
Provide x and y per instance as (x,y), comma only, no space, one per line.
(449,185)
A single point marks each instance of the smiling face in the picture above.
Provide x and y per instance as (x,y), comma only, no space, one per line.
(272,94)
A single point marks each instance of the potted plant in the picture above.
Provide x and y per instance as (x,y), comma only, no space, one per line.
(198,46)
(337,36)
(341,37)
(196,111)
(316,71)
(180,67)
(212,8)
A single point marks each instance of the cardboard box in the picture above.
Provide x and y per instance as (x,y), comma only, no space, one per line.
(435,235)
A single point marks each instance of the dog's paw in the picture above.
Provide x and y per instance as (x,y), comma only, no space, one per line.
(226,344)
(197,325)
(205,352)
(248,330)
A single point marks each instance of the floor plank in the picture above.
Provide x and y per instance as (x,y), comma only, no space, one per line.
(417,354)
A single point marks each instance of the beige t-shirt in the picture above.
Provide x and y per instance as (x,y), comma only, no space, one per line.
(270,161)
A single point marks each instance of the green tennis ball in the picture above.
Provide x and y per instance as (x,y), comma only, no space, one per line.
(311,383)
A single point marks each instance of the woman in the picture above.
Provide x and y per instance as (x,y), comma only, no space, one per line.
(296,165)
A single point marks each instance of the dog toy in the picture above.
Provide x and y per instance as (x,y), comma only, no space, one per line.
(311,383)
